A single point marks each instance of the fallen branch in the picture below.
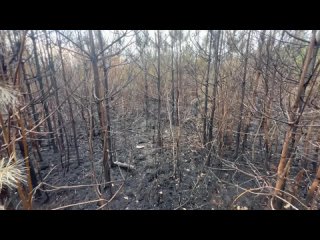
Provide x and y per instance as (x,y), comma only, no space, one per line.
(124,165)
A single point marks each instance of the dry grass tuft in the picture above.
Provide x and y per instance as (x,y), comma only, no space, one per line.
(11,172)
(8,97)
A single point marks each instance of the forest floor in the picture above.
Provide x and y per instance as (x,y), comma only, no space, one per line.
(151,184)
(227,184)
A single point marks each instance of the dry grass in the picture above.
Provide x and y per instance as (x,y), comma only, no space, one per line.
(8,96)
(11,172)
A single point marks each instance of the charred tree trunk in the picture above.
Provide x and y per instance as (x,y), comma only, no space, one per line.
(31,100)
(61,124)
(214,90)
(146,98)
(107,97)
(44,103)
(100,107)
(68,88)
(205,117)
(172,83)
(159,138)
(243,89)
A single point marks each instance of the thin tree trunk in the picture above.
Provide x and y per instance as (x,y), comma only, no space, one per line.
(86,88)
(243,88)
(205,118)
(159,141)
(32,105)
(67,87)
(100,107)
(178,104)
(215,88)
(107,96)
(267,103)
(172,83)
(39,78)
(61,124)
(146,98)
